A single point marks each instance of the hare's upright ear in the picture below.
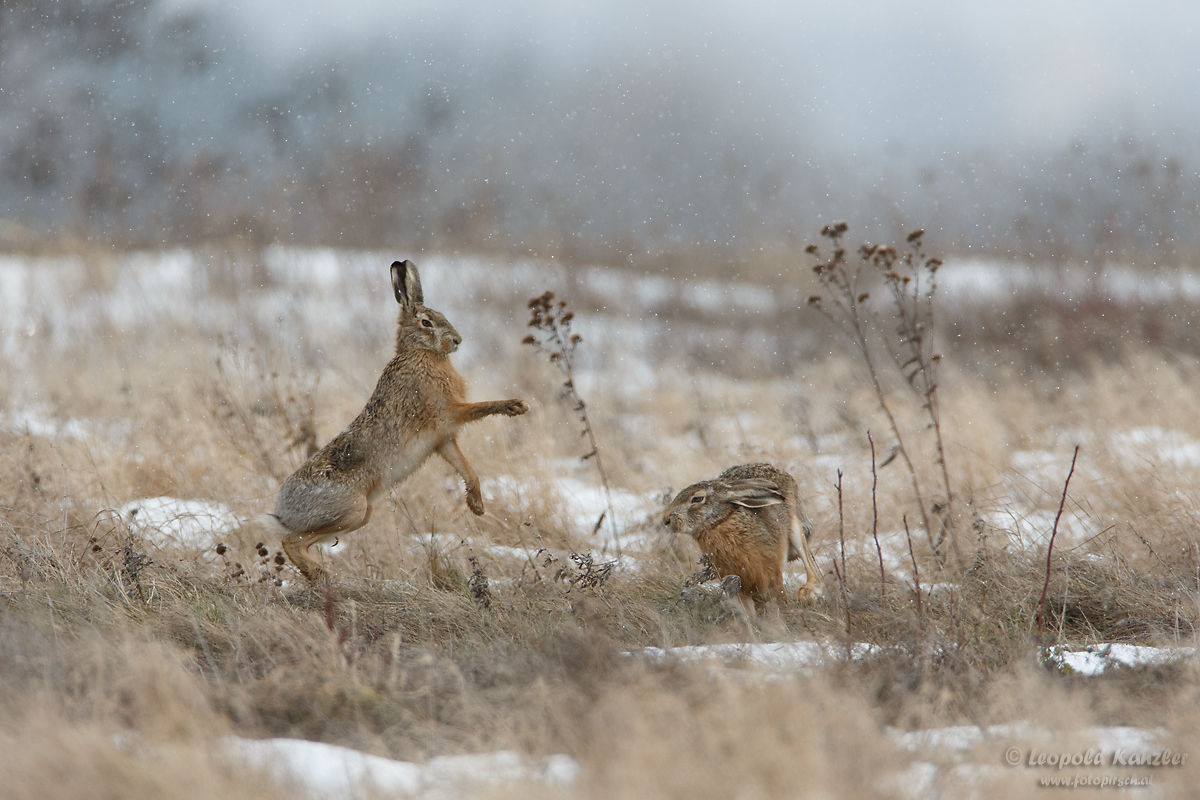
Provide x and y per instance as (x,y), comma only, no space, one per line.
(406,283)
(751,493)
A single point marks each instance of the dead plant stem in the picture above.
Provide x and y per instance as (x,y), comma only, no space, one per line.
(875,518)
(1054,533)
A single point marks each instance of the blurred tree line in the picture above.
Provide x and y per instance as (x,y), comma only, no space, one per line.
(123,123)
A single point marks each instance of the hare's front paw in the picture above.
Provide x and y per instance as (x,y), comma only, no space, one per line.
(515,408)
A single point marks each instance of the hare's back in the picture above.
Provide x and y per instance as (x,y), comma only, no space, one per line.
(785,482)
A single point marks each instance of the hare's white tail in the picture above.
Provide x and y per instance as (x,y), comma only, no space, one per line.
(270,525)
(269,528)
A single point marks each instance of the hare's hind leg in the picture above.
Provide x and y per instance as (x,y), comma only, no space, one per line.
(297,543)
(814,587)
(454,457)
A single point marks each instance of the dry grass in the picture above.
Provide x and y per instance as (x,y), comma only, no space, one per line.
(102,632)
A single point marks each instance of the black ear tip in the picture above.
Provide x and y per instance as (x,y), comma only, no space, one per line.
(397,264)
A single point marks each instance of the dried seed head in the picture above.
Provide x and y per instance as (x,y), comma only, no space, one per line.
(222,549)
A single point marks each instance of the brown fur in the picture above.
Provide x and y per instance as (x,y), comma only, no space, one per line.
(417,409)
(750,523)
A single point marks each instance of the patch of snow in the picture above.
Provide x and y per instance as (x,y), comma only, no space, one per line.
(1096,659)
(588,501)
(974,280)
(950,763)
(958,738)
(894,544)
(331,771)
(584,502)
(918,780)
(1155,446)
(774,656)
(1033,529)
(169,521)
(964,738)
(33,422)
(1040,466)
(792,656)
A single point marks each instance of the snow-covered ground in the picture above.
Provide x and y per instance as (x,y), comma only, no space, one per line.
(339,773)
(964,280)
(1098,658)
(323,299)
(940,761)
(972,760)
(167,522)
(331,772)
(770,657)
(583,504)
(977,761)
(781,657)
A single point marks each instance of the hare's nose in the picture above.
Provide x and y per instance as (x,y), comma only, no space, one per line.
(456,339)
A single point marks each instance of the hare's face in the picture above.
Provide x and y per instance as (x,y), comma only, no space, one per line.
(427,329)
(695,509)
(420,327)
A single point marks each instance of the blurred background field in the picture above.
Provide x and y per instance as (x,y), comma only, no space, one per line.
(198,205)
(702,136)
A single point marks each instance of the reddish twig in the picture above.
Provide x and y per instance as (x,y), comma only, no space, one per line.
(875,519)
(845,604)
(1053,533)
(916,572)
(841,573)
(841,523)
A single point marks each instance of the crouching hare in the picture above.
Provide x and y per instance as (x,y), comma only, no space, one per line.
(749,522)
(417,409)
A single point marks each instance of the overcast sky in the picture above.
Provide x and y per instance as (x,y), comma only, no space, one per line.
(868,76)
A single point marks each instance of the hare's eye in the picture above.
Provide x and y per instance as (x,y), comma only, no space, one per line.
(427,323)
(697,498)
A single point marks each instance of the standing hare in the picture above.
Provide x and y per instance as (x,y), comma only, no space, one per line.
(749,522)
(417,409)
